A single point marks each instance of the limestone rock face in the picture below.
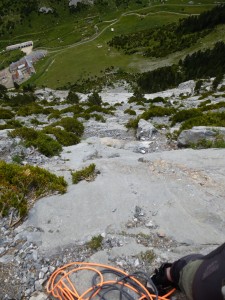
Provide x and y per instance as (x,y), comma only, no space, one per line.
(145,130)
(198,133)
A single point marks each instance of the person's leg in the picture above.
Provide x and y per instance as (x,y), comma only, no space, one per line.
(178,265)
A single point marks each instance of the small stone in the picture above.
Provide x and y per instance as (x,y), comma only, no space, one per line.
(38,286)
(44,270)
(51,269)
(161,234)
(136,263)
(41,275)
(149,224)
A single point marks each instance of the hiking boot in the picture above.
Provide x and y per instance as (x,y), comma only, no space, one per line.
(160,280)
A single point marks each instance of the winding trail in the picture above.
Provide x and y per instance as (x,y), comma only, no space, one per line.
(59,50)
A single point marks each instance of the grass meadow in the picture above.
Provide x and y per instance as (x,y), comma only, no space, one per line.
(77,47)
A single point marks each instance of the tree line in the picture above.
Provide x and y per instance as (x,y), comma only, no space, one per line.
(161,41)
(201,64)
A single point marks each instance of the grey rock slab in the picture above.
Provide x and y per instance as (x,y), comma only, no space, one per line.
(198,133)
(145,129)
(186,188)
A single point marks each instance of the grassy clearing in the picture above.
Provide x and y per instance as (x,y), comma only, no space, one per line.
(68,61)
(91,58)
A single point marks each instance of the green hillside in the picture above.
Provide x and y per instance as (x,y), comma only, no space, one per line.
(78,38)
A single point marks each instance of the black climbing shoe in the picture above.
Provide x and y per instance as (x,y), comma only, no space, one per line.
(160,280)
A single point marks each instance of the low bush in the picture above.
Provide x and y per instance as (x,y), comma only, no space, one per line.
(98,118)
(132,123)
(72,97)
(214,106)
(28,134)
(72,125)
(11,124)
(95,99)
(63,137)
(208,119)
(184,115)
(44,143)
(219,142)
(21,185)
(96,108)
(130,111)
(87,173)
(157,111)
(75,109)
(96,242)
(56,114)
(6,114)
(158,100)
(204,103)
(29,109)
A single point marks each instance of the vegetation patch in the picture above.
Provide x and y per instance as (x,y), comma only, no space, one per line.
(72,125)
(147,256)
(96,242)
(218,142)
(130,111)
(22,185)
(87,173)
(6,114)
(209,119)
(153,111)
(44,143)
(185,114)
(64,137)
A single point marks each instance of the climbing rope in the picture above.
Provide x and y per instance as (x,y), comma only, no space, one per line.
(106,280)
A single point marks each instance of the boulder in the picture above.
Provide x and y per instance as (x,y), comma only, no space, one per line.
(199,133)
(145,130)
(46,10)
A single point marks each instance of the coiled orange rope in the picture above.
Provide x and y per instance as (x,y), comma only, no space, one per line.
(61,286)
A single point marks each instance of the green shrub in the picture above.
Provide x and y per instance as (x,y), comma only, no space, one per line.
(204,103)
(184,115)
(45,144)
(28,134)
(205,95)
(83,174)
(22,99)
(63,137)
(158,100)
(11,124)
(148,256)
(96,242)
(97,108)
(72,125)
(76,109)
(95,99)
(157,111)
(208,119)
(130,112)
(214,106)
(72,97)
(219,142)
(98,118)
(6,114)
(56,114)
(36,122)
(21,185)
(133,123)
(29,109)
